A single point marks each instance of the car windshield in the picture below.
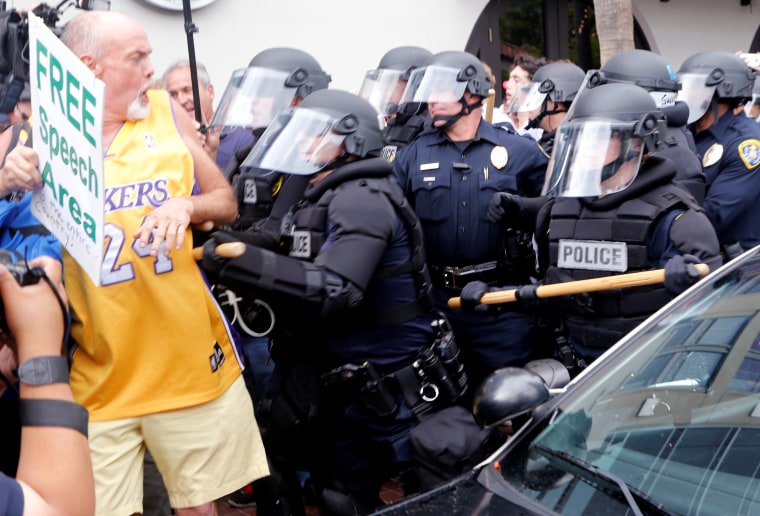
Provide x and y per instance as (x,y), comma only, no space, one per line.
(673,412)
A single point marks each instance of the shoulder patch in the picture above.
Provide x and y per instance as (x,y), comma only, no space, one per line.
(749,152)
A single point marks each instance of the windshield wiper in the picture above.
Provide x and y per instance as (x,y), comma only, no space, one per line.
(630,494)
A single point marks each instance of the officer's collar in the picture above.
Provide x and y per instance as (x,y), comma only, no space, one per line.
(365,168)
(485,132)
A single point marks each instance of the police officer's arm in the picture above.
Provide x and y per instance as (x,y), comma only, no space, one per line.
(401,163)
(680,239)
(215,203)
(734,191)
(530,179)
(362,223)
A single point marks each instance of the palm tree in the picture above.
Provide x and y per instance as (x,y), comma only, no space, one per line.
(614,26)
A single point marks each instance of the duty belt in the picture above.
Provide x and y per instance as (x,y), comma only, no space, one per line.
(455,278)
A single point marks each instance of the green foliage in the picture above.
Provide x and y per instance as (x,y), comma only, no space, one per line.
(522,25)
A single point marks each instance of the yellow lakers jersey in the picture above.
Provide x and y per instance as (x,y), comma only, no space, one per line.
(151,338)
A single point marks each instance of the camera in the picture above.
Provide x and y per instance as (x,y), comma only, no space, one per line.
(14,44)
(23,274)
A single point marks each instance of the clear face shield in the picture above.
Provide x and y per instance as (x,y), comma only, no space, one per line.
(527,102)
(383,89)
(696,94)
(299,141)
(593,158)
(433,84)
(252,98)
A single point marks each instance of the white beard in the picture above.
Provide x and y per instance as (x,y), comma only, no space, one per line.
(137,110)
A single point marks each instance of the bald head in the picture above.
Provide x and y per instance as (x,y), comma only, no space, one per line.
(116,49)
(93,32)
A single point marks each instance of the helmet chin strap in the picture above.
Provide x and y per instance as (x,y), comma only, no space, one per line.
(451,119)
(535,122)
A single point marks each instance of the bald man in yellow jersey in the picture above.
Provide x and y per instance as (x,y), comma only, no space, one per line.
(154,362)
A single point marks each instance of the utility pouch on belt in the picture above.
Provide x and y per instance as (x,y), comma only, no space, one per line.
(375,394)
(440,364)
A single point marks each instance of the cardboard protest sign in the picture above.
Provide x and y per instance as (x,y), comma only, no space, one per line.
(67,122)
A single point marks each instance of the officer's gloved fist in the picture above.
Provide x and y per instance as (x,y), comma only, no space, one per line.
(505,206)
(680,273)
(211,262)
(471,294)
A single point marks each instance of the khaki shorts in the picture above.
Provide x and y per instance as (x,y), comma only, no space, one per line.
(203,453)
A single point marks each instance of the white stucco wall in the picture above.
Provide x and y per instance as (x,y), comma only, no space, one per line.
(678,29)
(347,37)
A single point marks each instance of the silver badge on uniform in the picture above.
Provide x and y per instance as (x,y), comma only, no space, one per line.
(499,157)
(712,155)
(593,255)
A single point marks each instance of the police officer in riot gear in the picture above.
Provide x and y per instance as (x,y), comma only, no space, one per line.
(383,86)
(449,173)
(650,71)
(352,294)
(611,207)
(545,100)
(716,85)
(275,78)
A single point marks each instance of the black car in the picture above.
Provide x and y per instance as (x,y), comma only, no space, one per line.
(666,422)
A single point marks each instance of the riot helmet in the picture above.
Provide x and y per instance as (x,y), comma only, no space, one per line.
(555,82)
(445,78)
(598,148)
(710,77)
(274,79)
(646,69)
(328,129)
(384,85)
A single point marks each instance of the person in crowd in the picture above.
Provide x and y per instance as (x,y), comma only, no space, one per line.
(520,74)
(716,85)
(449,174)
(611,207)
(543,103)
(352,295)
(383,87)
(54,474)
(147,379)
(177,80)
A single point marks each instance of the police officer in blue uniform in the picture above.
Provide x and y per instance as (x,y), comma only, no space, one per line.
(716,85)
(352,294)
(449,173)
(612,207)
(383,86)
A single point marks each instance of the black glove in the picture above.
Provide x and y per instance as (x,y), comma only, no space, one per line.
(505,206)
(211,262)
(680,273)
(471,294)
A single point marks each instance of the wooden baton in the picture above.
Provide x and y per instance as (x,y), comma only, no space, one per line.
(633,279)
